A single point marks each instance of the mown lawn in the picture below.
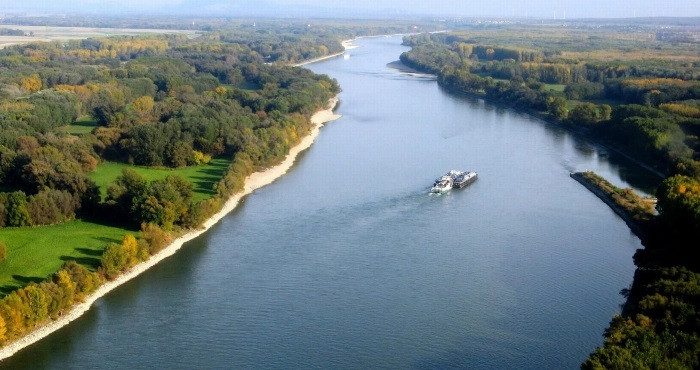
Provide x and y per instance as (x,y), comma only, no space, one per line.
(33,253)
(202,177)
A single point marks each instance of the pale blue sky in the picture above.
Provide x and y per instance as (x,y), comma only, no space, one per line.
(500,8)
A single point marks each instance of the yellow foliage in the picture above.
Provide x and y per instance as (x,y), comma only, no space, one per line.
(220,90)
(650,82)
(36,56)
(111,48)
(681,109)
(131,249)
(200,158)
(3,330)
(16,106)
(31,84)
(143,106)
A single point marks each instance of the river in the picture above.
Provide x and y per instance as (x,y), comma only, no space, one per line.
(348,262)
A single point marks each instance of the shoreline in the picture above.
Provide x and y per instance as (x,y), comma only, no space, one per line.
(634,225)
(397,65)
(347,45)
(253,182)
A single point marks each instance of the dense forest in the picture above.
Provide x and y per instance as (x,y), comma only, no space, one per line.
(637,90)
(152,102)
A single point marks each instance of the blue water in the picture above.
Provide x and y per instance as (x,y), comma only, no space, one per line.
(348,262)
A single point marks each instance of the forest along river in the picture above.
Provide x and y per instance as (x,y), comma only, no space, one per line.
(348,262)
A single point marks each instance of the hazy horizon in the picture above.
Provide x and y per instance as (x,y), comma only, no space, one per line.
(561,9)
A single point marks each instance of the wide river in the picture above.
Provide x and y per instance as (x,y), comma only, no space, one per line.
(348,262)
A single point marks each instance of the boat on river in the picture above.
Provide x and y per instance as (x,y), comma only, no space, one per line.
(442,184)
(453,179)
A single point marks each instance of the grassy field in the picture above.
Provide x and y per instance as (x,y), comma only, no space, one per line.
(33,253)
(555,87)
(202,177)
(83,125)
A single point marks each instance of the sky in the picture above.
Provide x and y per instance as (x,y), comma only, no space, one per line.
(339,8)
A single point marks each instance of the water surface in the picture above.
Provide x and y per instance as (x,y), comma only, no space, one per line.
(347,262)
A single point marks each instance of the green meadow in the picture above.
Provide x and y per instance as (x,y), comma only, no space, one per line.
(33,253)
(81,126)
(202,177)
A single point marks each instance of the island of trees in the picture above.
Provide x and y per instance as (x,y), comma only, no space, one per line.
(635,88)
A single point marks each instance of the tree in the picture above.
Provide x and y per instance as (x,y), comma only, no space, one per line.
(155,237)
(17,213)
(679,208)
(118,257)
(85,281)
(31,84)
(556,106)
(113,260)
(584,114)
(143,107)
(125,189)
(165,203)
(67,288)
(106,102)
(37,304)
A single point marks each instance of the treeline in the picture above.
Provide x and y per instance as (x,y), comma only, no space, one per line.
(289,42)
(647,109)
(10,32)
(342,29)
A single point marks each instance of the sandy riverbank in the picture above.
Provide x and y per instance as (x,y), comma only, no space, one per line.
(347,45)
(252,182)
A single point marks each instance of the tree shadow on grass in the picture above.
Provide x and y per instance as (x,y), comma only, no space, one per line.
(22,281)
(7,289)
(204,188)
(104,239)
(212,172)
(87,261)
(89,252)
(206,179)
(27,279)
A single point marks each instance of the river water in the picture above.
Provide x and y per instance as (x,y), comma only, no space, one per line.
(347,262)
